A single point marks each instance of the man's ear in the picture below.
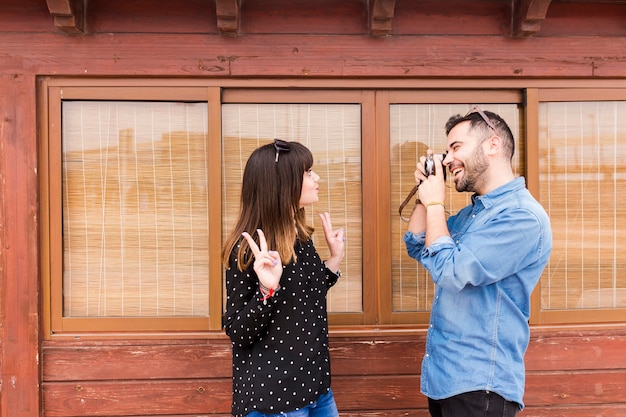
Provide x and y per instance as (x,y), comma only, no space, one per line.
(493,145)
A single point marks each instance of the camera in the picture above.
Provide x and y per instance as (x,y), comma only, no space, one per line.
(429,164)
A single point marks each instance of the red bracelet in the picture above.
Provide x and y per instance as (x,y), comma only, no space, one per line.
(267,292)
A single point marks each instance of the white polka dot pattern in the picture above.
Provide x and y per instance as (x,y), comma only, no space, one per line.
(281,360)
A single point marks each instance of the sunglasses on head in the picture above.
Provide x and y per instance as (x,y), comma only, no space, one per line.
(482,114)
(281,146)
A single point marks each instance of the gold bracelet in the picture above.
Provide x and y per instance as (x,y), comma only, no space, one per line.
(435,203)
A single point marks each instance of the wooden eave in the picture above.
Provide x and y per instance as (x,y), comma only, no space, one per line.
(526,15)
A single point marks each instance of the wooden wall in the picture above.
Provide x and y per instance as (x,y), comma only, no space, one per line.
(570,374)
(578,372)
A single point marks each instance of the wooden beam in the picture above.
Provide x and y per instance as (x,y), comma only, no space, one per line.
(228,16)
(527,17)
(381,17)
(68,15)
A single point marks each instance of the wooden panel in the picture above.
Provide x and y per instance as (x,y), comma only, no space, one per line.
(602,19)
(124,398)
(452,17)
(187,16)
(377,357)
(378,393)
(313,55)
(19,306)
(575,373)
(606,410)
(153,361)
(569,388)
(107,362)
(320,16)
(28,15)
(575,353)
(96,398)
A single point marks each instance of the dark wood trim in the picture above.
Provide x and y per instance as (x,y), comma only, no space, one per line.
(228,16)
(527,16)
(69,15)
(381,17)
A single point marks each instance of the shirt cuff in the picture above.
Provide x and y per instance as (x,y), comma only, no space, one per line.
(415,238)
(442,242)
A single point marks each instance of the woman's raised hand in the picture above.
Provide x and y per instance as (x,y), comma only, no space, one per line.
(336,241)
(267,263)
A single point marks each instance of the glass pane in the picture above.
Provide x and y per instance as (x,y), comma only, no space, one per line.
(333,134)
(583,175)
(135,210)
(413,129)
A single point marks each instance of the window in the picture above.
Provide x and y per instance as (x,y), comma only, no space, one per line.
(130,178)
(582,150)
(333,128)
(140,183)
(415,125)
(333,134)
(135,209)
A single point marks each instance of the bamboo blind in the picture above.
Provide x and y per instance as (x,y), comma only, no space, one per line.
(135,212)
(333,134)
(414,128)
(583,175)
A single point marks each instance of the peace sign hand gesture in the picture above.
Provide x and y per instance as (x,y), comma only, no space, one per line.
(267,264)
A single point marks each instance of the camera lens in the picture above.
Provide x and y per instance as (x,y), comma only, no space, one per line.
(429,165)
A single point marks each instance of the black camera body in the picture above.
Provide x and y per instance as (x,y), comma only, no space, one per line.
(429,164)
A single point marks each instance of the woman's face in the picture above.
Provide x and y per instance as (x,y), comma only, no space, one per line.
(309,194)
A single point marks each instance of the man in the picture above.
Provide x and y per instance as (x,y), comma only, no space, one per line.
(485,262)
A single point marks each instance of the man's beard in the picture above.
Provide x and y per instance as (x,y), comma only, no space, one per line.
(473,169)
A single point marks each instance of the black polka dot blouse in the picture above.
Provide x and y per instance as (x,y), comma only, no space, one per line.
(281,359)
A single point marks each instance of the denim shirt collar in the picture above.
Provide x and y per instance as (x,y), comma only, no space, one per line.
(493,197)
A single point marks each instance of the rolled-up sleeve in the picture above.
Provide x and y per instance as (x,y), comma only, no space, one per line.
(414,244)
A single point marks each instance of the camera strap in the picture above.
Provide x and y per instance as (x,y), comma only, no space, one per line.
(406,201)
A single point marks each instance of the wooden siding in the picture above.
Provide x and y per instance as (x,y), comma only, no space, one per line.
(569,374)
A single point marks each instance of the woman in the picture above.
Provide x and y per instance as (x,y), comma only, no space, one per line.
(276,287)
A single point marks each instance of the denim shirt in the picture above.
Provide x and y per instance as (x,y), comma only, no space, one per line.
(484,273)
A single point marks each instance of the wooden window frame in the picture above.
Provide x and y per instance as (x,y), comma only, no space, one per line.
(375,97)
(368,176)
(384,101)
(53,93)
(535,96)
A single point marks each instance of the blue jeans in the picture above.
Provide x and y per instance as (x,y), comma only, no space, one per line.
(473,404)
(324,406)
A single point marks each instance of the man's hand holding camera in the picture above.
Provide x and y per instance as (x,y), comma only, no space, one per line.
(430,213)
(431,176)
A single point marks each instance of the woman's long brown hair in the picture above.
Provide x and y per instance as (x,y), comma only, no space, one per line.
(270,201)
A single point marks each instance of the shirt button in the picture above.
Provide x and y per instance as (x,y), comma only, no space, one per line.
(427,355)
